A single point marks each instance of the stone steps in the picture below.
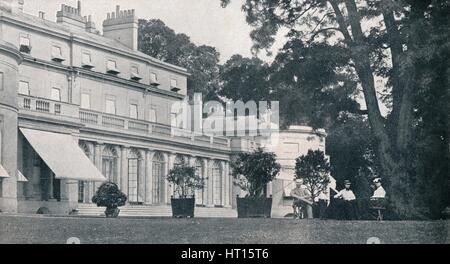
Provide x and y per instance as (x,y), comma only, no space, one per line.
(156,211)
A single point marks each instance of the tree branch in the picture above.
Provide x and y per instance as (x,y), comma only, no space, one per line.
(341,21)
(323,30)
(321,20)
(311,6)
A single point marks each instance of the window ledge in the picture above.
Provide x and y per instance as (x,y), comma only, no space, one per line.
(87,66)
(25,49)
(175,89)
(58,59)
(113,71)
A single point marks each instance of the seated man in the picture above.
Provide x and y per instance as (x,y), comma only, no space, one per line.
(348,201)
(302,199)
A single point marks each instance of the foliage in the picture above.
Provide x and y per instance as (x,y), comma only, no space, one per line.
(161,42)
(313,84)
(244,79)
(254,170)
(333,54)
(349,145)
(185,180)
(314,169)
(108,195)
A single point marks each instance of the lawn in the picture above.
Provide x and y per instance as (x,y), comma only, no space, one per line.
(40,229)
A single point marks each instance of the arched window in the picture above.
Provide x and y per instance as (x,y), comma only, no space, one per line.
(109,163)
(217,182)
(199,169)
(87,151)
(134,160)
(158,165)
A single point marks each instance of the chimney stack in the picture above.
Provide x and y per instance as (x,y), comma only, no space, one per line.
(41,15)
(90,25)
(122,25)
(71,16)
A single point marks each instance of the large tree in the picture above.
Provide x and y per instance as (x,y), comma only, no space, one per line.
(244,79)
(403,42)
(202,62)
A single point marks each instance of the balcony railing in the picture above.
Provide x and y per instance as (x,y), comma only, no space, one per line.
(47,106)
(138,126)
(161,130)
(88,117)
(70,112)
(221,141)
(108,121)
(42,106)
(113,122)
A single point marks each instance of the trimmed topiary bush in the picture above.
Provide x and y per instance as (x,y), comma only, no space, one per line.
(108,195)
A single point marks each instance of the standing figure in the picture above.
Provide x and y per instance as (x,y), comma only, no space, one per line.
(323,200)
(348,201)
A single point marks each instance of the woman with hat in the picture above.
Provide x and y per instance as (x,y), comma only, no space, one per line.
(379,190)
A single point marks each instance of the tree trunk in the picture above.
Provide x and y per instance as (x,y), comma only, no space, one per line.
(392,154)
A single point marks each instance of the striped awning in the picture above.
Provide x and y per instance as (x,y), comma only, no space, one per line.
(62,155)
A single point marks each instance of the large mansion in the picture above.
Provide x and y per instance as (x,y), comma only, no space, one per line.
(79,107)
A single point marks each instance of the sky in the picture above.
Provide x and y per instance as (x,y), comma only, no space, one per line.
(205,21)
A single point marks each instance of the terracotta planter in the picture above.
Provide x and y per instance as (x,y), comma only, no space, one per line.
(254,208)
(183,207)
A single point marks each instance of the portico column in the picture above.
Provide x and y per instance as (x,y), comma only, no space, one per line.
(210,193)
(205,177)
(166,183)
(124,169)
(191,162)
(98,149)
(149,175)
(118,167)
(224,184)
(227,202)
(141,176)
(170,165)
(231,185)
(51,177)
(88,186)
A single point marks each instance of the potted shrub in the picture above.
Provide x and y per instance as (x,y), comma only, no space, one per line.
(314,169)
(252,172)
(185,181)
(108,195)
